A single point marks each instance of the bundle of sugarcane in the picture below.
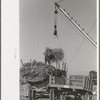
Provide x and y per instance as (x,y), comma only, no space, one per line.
(36,71)
(54,54)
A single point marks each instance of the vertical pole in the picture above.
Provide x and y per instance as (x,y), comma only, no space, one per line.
(22,62)
(83,84)
(50,94)
(30,92)
(59,65)
(56,64)
(66,72)
(61,96)
(33,95)
(63,66)
(50,79)
(86,84)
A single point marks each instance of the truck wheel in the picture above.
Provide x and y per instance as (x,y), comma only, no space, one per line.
(87,96)
(52,94)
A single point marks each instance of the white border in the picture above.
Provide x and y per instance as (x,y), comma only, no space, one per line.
(10,48)
(97,49)
(10,41)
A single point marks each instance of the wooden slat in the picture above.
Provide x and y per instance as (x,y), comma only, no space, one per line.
(61,96)
(86,84)
(33,95)
(91,85)
(64,86)
(83,83)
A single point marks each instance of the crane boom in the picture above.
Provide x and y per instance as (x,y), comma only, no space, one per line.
(77,26)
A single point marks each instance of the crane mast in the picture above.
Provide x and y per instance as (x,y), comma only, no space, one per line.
(77,26)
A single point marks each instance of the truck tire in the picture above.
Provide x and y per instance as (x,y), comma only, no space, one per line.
(87,96)
(52,94)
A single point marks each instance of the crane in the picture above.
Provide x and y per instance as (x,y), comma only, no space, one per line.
(77,26)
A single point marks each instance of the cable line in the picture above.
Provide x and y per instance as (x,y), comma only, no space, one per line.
(80,45)
(92,26)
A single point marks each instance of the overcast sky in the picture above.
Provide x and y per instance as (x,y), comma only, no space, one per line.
(36,32)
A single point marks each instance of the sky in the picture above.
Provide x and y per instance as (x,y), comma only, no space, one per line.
(37,27)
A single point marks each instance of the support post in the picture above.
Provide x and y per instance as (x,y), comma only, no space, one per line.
(50,79)
(22,62)
(33,95)
(30,92)
(61,96)
(66,72)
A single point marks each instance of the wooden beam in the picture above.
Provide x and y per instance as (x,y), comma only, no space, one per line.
(61,96)
(22,62)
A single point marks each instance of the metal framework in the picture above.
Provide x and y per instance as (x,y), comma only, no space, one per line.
(77,26)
